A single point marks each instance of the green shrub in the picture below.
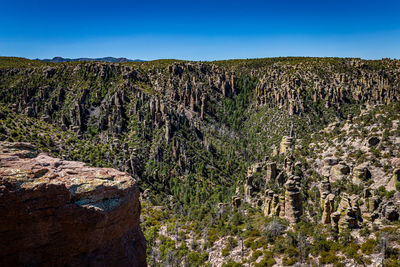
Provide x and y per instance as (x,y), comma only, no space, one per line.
(231,263)
(288,261)
(256,254)
(248,242)
(382,192)
(350,250)
(368,246)
(392,262)
(232,241)
(398,186)
(267,261)
(328,257)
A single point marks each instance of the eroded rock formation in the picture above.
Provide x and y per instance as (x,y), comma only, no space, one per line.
(293,199)
(360,83)
(64,213)
(286,144)
(349,210)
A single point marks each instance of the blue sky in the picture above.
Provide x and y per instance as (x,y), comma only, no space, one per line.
(199,30)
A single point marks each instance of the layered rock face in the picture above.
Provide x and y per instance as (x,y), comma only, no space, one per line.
(64,213)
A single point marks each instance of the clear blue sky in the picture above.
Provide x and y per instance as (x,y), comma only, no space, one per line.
(199,30)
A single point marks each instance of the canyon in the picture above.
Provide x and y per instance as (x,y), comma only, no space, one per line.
(258,162)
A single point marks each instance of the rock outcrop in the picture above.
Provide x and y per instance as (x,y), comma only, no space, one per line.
(348,214)
(293,199)
(285,85)
(339,171)
(388,210)
(271,171)
(324,190)
(286,144)
(328,208)
(64,213)
(273,205)
(327,201)
(361,174)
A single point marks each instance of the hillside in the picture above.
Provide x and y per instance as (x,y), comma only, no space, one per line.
(240,162)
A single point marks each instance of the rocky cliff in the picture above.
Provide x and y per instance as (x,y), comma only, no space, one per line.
(64,213)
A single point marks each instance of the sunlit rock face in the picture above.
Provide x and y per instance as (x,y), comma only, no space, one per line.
(64,213)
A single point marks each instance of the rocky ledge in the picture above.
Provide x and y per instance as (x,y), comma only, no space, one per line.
(64,213)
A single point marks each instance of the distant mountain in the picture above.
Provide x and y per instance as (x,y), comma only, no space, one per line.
(105,59)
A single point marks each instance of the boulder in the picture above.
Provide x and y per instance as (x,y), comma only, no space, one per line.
(339,171)
(335,217)
(248,189)
(367,193)
(331,161)
(275,151)
(280,179)
(361,174)
(275,205)
(64,213)
(373,203)
(389,211)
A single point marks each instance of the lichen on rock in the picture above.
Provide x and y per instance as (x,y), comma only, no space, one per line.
(57,212)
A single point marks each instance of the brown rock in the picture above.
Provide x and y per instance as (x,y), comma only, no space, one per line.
(64,213)
(280,179)
(335,217)
(269,194)
(340,169)
(275,206)
(293,201)
(286,144)
(361,174)
(324,190)
(389,211)
(373,203)
(349,211)
(331,161)
(271,171)
(328,208)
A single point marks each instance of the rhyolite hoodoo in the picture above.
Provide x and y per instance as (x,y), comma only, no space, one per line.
(259,162)
(63,213)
